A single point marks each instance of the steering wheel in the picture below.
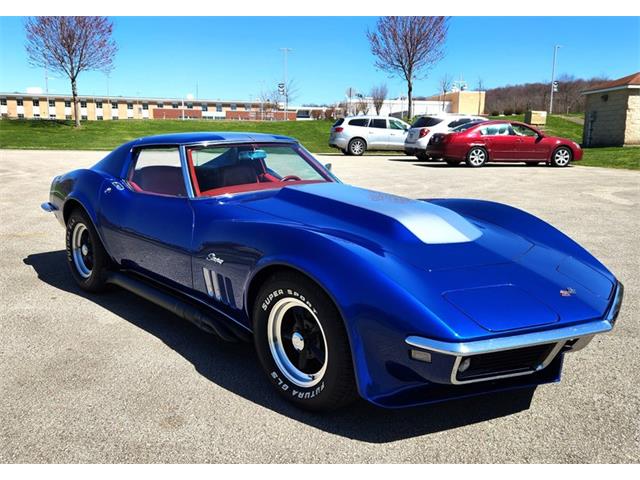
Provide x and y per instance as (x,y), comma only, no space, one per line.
(291,178)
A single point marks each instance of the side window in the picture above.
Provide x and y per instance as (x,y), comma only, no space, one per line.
(496,129)
(378,123)
(359,122)
(159,171)
(523,131)
(396,125)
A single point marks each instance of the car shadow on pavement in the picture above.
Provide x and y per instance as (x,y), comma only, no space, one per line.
(235,367)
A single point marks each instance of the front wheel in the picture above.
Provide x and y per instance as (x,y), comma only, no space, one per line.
(86,257)
(477,157)
(561,157)
(357,146)
(302,343)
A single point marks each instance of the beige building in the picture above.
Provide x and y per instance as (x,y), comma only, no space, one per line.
(60,107)
(612,113)
(467,102)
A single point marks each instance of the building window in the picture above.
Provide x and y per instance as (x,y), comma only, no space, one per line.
(98,104)
(36,115)
(67,117)
(247,106)
(189,105)
(160,105)
(205,107)
(218,107)
(67,103)
(21,115)
(99,117)
(36,103)
(145,106)
(52,116)
(174,105)
(84,117)
(19,102)
(114,105)
(52,103)
(234,107)
(83,104)
(3,101)
(129,106)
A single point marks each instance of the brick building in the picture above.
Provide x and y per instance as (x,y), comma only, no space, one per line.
(612,113)
(60,107)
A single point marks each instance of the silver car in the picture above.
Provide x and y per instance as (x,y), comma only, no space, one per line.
(356,135)
(425,126)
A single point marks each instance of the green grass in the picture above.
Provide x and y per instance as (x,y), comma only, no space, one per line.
(106,135)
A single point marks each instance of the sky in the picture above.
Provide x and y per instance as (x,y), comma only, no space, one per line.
(235,58)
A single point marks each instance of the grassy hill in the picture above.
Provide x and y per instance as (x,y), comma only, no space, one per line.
(61,135)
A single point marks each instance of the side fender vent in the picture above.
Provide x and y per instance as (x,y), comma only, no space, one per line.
(219,287)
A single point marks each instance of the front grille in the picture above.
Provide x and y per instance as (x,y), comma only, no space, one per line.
(506,362)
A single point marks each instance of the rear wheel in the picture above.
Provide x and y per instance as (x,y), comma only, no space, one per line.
(345,151)
(357,146)
(476,157)
(302,343)
(87,258)
(561,157)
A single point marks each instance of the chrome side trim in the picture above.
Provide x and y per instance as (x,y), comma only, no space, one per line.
(48,207)
(514,341)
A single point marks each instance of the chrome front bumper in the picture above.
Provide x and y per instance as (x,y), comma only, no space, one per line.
(565,339)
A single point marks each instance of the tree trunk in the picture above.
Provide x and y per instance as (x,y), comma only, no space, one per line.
(76,104)
(409,99)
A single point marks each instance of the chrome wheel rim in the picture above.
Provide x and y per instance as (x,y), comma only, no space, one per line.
(477,157)
(357,147)
(297,342)
(562,157)
(82,250)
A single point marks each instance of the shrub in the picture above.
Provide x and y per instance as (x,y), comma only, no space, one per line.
(508,112)
(495,113)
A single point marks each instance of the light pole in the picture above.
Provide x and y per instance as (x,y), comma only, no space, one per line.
(553,77)
(285,51)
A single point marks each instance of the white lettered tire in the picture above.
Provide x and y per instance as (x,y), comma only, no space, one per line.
(302,344)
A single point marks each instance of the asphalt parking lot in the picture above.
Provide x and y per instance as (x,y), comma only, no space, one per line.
(112,378)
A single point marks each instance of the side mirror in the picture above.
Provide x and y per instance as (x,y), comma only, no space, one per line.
(327,166)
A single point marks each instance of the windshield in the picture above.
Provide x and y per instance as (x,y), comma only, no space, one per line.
(221,169)
(426,122)
(466,126)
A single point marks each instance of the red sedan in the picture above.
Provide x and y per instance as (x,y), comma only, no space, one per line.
(500,141)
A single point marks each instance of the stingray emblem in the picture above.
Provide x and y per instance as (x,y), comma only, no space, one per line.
(212,258)
(567,292)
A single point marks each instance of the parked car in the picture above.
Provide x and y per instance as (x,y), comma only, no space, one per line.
(356,135)
(500,141)
(344,291)
(424,127)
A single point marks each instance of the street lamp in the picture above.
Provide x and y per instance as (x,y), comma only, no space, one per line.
(553,77)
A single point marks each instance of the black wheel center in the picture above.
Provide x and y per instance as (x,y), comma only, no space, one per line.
(303,340)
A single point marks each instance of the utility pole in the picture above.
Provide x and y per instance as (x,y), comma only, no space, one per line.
(553,77)
(285,51)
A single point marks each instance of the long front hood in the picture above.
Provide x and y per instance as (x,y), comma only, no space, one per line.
(421,233)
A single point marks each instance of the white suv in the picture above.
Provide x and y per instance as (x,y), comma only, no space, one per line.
(355,135)
(424,127)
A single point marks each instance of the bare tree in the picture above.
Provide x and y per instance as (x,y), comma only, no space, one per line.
(362,104)
(445,86)
(379,95)
(480,90)
(407,46)
(71,45)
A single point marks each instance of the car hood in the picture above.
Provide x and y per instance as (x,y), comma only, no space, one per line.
(463,268)
(424,234)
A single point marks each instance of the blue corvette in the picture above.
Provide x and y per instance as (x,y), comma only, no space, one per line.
(344,291)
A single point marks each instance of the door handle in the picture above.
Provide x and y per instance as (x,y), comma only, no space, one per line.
(107,190)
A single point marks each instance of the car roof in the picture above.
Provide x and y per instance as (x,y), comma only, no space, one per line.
(204,137)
